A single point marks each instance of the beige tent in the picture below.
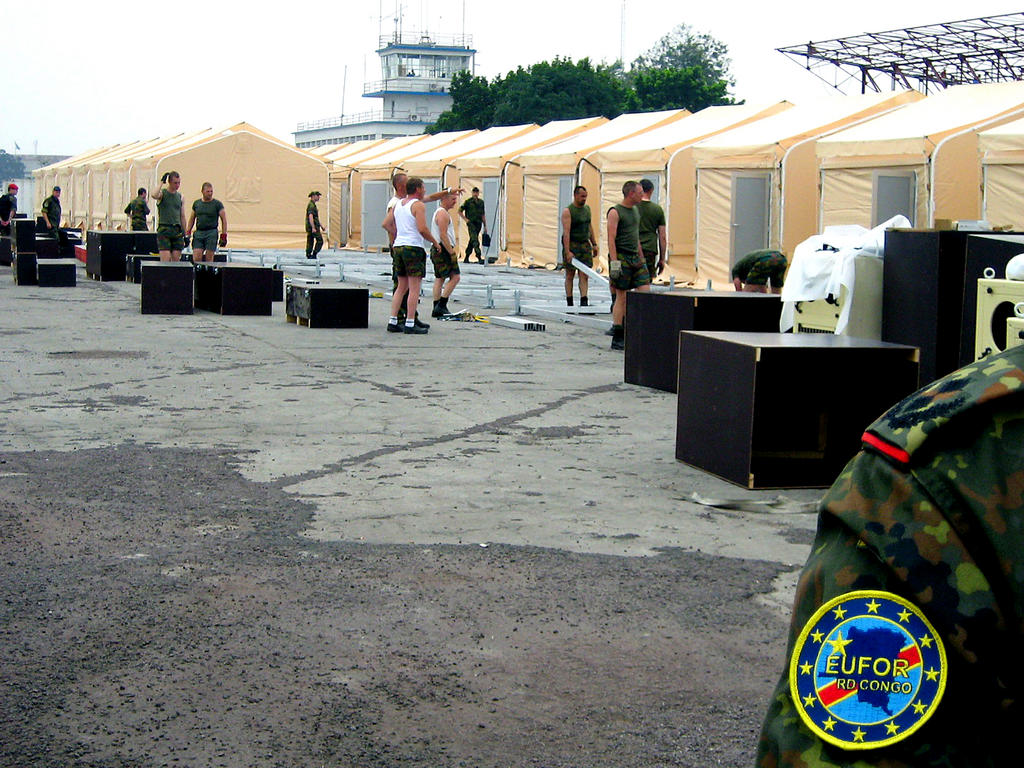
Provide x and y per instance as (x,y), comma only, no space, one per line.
(340,209)
(665,156)
(262,181)
(499,177)
(369,185)
(550,173)
(921,162)
(757,184)
(1002,167)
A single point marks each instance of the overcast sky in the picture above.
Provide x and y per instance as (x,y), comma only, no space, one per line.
(83,75)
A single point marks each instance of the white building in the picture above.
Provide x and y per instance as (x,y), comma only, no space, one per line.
(414,89)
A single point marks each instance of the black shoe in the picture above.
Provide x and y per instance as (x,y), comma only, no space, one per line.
(310,257)
(417,324)
(396,328)
(421,328)
(618,342)
(568,301)
(584,302)
(610,332)
(439,310)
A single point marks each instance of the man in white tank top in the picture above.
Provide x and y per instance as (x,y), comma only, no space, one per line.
(444,258)
(407,224)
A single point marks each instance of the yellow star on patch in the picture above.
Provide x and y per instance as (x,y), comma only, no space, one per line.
(926,642)
(873,606)
(839,645)
(829,724)
(817,636)
(932,674)
(891,728)
(904,615)
(919,708)
(839,613)
(858,735)
(808,701)
(806,668)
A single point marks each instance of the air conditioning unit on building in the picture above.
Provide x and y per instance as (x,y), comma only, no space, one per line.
(414,118)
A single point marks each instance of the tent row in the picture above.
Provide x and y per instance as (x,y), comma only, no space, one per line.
(262,181)
(731,179)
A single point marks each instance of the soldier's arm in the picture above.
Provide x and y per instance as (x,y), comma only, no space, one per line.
(566,223)
(613,228)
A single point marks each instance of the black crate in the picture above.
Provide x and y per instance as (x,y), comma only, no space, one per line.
(278,284)
(783,410)
(654,320)
(133,265)
(47,248)
(105,252)
(6,252)
(234,289)
(167,287)
(328,306)
(24,235)
(144,242)
(25,269)
(57,273)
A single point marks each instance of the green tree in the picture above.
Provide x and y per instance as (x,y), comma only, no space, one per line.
(11,167)
(684,47)
(549,90)
(688,88)
(472,105)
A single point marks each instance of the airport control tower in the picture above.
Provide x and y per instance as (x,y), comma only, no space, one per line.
(414,89)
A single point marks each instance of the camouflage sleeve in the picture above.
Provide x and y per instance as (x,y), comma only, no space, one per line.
(881,528)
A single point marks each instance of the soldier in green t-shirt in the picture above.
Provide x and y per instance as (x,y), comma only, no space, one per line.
(578,242)
(137,211)
(653,238)
(473,213)
(204,217)
(314,240)
(170,218)
(626,266)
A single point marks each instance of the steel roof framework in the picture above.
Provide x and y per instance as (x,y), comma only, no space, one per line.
(989,49)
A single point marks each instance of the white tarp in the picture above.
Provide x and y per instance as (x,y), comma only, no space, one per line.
(823,264)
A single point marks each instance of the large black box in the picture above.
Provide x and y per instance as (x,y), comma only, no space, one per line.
(929,292)
(654,320)
(167,288)
(57,273)
(234,289)
(6,252)
(133,265)
(24,235)
(105,252)
(25,269)
(783,410)
(143,242)
(47,248)
(278,284)
(328,306)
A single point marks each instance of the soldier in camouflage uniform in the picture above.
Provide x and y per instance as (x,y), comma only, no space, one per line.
(932,511)
(473,213)
(754,271)
(137,211)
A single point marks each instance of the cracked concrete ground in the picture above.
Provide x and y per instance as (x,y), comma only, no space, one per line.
(327,547)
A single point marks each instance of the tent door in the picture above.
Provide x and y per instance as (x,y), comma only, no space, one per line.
(375,207)
(750,199)
(565,187)
(490,194)
(893,194)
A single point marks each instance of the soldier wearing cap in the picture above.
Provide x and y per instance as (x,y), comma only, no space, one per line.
(137,211)
(928,516)
(51,216)
(314,240)
(8,207)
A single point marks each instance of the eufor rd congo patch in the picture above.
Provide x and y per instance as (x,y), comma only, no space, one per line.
(867,670)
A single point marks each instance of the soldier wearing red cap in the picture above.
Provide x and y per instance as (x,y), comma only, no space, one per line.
(8,207)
